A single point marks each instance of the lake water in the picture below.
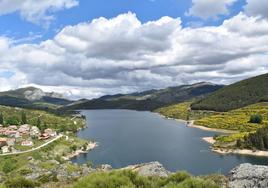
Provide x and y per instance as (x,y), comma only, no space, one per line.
(128,137)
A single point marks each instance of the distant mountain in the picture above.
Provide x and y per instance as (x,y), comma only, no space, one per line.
(235,96)
(31,97)
(147,100)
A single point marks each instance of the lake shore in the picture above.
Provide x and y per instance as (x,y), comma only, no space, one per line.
(222,151)
(191,124)
(90,146)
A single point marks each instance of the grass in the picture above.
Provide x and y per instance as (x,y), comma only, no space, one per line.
(237,119)
(130,179)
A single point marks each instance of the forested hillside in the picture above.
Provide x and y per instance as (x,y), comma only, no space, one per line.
(235,96)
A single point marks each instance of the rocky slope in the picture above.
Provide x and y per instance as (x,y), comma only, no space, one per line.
(249,176)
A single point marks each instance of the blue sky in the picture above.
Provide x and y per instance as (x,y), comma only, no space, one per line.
(138,45)
(12,25)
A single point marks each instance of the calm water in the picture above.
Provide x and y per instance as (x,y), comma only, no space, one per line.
(129,137)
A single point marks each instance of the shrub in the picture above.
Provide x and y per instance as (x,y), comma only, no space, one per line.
(8,166)
(20,182)
(13,121)
(256,119)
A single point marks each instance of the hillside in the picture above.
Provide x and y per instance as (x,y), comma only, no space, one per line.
(236,95)
(32,97)
(147,100)
(237,119)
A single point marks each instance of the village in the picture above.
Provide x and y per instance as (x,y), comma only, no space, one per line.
(15,138)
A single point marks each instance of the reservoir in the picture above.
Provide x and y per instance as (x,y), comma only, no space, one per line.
(128,137)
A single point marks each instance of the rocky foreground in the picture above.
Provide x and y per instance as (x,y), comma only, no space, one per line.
(249,176)
(243,176)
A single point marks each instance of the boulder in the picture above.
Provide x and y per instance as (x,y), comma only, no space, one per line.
(149,169)
(249,176)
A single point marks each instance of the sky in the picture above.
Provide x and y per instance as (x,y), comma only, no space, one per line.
(90,48)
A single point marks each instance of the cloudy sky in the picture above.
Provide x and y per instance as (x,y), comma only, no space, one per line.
(89,48)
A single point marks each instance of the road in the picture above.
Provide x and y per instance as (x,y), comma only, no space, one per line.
(33,149)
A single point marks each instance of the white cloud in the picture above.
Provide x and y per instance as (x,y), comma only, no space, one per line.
(206,9)
(121,54)
(36,11)
(257,8)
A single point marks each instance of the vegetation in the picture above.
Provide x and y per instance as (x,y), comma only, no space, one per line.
(235,96)
(182,111)
(257,140)
(147,100)
(256,119)
(130,179)
(237,119)
(42,119)
(20,98)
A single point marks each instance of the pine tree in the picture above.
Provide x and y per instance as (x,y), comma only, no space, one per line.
(1,118)
(23,118)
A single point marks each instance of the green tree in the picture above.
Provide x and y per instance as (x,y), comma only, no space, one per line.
(13,120)
(23,118)
(256,119)
(38,123)
(1,118)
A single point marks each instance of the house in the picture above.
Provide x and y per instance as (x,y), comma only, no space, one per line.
(5,149)
(34,132)
(12,127)
(50,132)
(44,136)
(3,142)
(24,129)
(27,143)
(11,141)
(10,133)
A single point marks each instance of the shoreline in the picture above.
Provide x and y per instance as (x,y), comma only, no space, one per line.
(90,146)
(222,151)
(191,124)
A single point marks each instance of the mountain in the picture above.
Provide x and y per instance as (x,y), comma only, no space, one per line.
(147,100)
(236,95)
(31,97)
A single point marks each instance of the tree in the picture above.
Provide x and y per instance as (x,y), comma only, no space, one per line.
(13,121)
(1,118)
(256,119)
(38,123)
(23,118)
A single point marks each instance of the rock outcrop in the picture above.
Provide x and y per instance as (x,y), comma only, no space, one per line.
(149,169)
(249,176)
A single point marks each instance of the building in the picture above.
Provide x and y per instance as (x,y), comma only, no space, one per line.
(3,142)
(10,133)
(11,141)
(12,127)
(24,129)
(5,149)
(35,132)
(50,132)
(27,143)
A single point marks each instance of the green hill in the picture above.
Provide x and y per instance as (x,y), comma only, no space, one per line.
(32,97)
(236,95)
(147,100)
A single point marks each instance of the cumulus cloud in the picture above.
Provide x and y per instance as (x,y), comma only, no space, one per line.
(38,12)
(206,9)
(107,56)
(257,8)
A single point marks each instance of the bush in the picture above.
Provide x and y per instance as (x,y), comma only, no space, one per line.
(13,121)
(131,179)
(8,166)
(20,182)
(256,119)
